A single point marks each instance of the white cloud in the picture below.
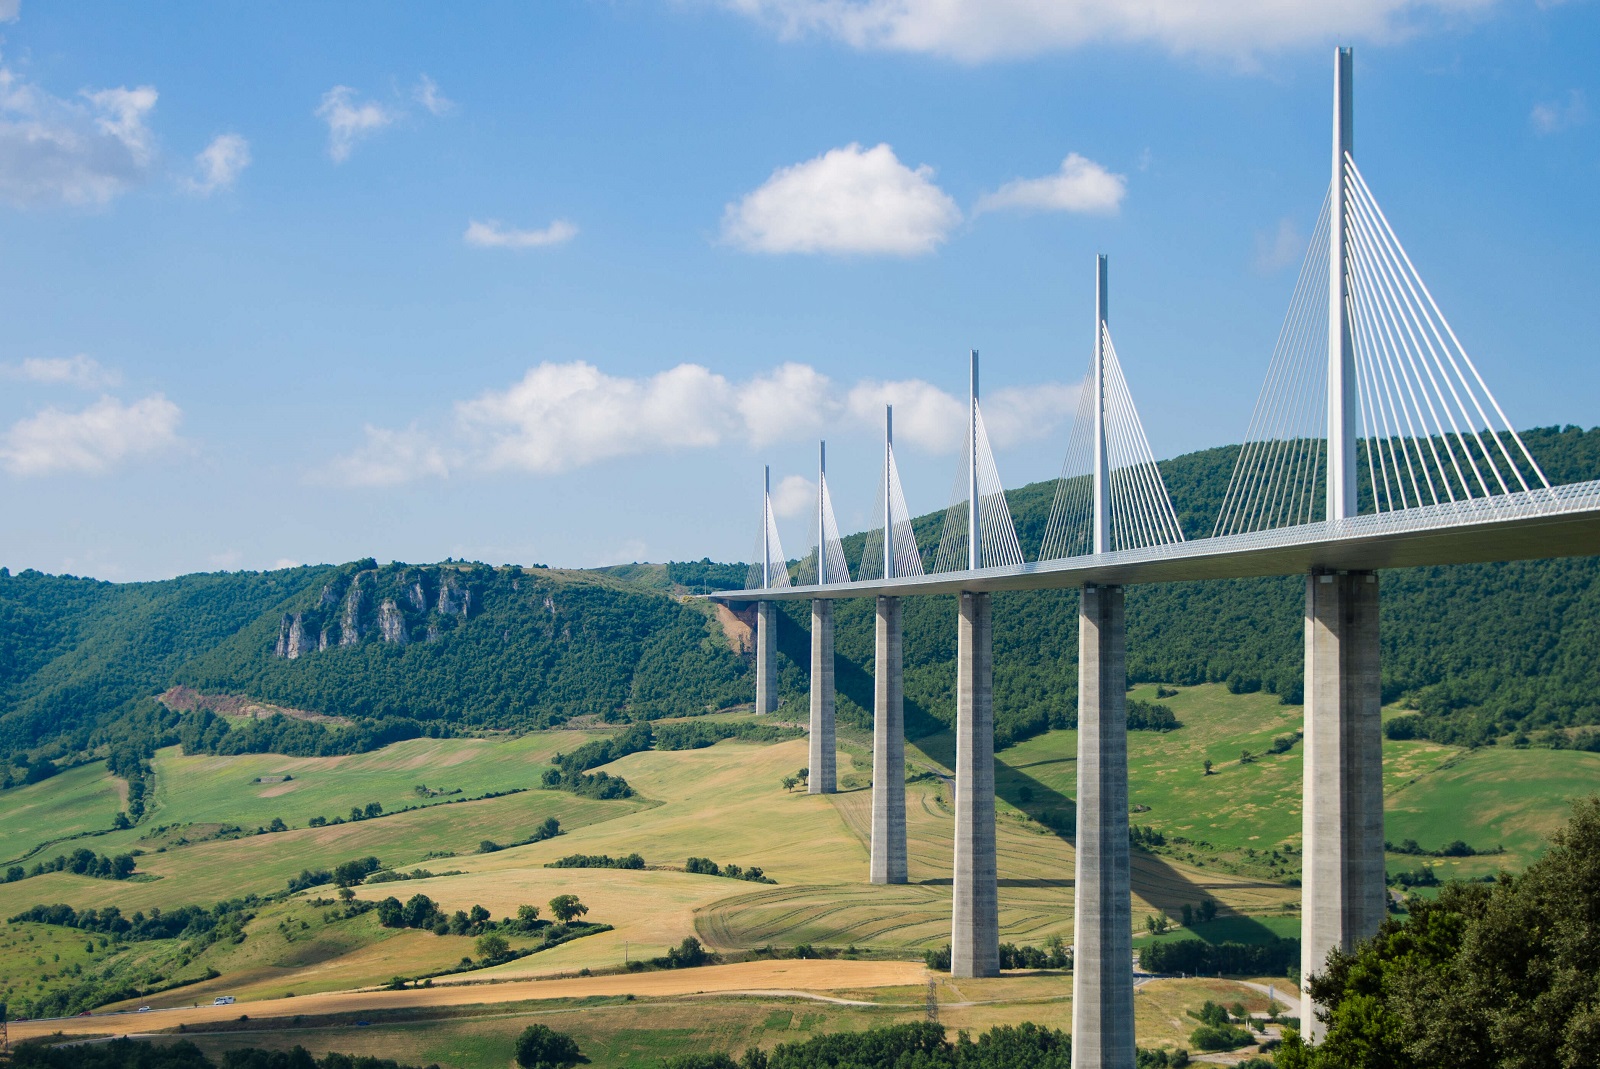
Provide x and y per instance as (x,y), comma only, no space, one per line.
(1554,116)
(849,200)
(350,119)
(492,235)
(1014,415)
(80,151)
(562,417)
(81,371)
(92,441)
(219,164)
(795,495)
(388,458)
(1081,185)
(794,401)
(10,10)
(924,415)
(974,31)
(1282,248)
(427,94)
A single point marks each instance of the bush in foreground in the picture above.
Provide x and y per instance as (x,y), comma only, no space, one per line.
(542,1047)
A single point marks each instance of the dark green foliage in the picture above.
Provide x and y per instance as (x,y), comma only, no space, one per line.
(704,866)
(117,1054)
(1506,975)
(1151,716)
(541,1047)
(139,1054)
(566,908)
(698,734)
(688,954)
(604,751)
(922,1046)
(1481,650)
(601,785)
(1193,957)
(85,862)
(597,861)
(185,922)
(1220,1037)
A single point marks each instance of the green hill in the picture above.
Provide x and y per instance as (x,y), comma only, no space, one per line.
(401,650)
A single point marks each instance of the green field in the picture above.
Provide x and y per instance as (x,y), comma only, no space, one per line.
(1232,837)
(83,799)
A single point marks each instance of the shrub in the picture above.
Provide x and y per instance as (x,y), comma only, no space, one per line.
(541,1047)
(1220,1037)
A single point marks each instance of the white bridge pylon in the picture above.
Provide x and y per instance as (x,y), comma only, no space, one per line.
(1110,494)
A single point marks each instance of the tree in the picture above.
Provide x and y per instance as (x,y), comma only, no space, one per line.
(541,1047)
(789,783)
(1208,766)
(566,908)
(346,894)
(1506,975)
(527,914)
(492,948)
(804,775)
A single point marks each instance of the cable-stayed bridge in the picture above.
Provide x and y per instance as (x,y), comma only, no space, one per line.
(1375,443)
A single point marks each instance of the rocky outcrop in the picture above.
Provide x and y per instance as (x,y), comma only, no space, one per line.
(356,601)
(392,623)
(417,596)
(292,636)
(454,599)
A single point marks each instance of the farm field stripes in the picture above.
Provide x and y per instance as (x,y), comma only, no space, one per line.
(813,974)
(82,799)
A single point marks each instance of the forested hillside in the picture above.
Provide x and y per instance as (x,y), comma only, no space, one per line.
(402,650)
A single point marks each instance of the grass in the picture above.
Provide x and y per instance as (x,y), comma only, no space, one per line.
(82,799)
(726,802)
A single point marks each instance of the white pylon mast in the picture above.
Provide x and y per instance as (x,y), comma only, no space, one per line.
(766,527)
(1102,470)
(1342,405)
(822,525)
(888,491)
(974,550)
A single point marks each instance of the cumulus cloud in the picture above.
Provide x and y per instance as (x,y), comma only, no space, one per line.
(562,417)
(1081,185)
(81,371)
(490,234)
(219,164)
(92,441)
(84,150)
(387,458)
(795,495)
(974,31)
(1554,116)
(848,200)
(427,94)
(350,119)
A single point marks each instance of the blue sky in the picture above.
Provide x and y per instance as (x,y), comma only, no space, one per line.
(551,282)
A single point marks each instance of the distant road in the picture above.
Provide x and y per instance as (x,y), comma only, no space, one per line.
(754,976)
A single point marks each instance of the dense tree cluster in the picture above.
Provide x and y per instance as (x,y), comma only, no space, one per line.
(1196,957)
(1480,650)
(142,1054)
(1504,975)
(185,922)
(81,862)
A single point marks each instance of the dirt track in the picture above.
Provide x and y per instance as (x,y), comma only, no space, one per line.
(807,975)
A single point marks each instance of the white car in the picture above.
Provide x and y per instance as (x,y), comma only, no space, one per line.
(223,1000)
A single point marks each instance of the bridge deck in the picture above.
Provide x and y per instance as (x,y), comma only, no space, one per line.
(1560,522)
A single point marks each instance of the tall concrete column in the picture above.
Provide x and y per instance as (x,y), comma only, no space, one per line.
(888,863)
(975,916)
(1342,889)
(766,657)
(1102,963)
(823,778)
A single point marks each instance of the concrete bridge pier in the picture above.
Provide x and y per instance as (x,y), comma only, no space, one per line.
(1342,895)
(1102,967)
(888,864)
(975,923)
(824,755)
(766,656)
